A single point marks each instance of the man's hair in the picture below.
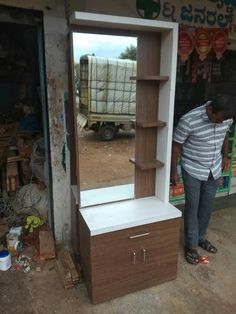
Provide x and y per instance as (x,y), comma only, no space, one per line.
(225,104)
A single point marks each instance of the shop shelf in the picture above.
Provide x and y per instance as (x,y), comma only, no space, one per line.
(154,124)
(150,78)
(147,165)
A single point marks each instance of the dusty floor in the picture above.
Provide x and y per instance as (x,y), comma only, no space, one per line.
(198,289)
(104,164)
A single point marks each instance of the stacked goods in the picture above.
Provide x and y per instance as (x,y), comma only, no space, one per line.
(67,270)
(234,169)
(177,190)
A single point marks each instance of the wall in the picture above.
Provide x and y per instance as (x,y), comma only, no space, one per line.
(55,28)
(198,13)
(195,12)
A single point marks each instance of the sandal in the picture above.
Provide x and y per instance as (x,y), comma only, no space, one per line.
(207,246)
(192,256)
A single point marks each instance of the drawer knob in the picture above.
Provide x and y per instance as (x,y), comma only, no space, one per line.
(134,257)
(144,255)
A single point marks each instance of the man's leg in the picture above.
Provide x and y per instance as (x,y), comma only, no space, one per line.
(208,192)
(192,189)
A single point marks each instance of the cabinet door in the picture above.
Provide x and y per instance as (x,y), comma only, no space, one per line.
(133,259)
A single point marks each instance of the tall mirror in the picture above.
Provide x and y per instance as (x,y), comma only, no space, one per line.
(105,103)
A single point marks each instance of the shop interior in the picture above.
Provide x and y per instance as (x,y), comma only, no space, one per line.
(23,183)
(196,82)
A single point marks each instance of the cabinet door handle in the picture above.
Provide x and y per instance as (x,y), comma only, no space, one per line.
(144,255)
(134,257)
(139,235)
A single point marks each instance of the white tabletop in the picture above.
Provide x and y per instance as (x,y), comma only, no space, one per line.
(126,214)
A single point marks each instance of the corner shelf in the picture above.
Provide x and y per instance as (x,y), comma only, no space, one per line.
(150,78)
(147,165)
(154,124)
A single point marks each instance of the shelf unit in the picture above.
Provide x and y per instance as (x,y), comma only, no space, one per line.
(151,124)
(150,78)
(137,237)
(147,165)
(154,83)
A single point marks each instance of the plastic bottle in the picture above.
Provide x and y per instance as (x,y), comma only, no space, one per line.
(66,236)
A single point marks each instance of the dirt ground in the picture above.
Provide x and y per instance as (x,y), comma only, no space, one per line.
(104,164)
(205,288)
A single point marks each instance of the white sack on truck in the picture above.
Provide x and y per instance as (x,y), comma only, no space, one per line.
(106,86)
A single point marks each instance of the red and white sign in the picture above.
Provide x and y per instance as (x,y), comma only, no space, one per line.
(203,43)
(220,39)
(186,44)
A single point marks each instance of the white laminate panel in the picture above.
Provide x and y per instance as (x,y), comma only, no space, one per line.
(120,22)
(106,195)
(131,213)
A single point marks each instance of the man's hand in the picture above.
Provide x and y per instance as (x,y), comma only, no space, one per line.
(224,151)
(174,178)
(176,149)
(225,163)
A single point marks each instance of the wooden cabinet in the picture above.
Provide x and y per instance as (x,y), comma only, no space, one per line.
(133,244)
(131,259)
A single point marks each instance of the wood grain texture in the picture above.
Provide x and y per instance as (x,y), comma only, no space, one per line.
(74,146)
(75,243)
(85,253)
(150,78)
(153,164)
(46,245)
(147,98)
(151,124)
(113,272)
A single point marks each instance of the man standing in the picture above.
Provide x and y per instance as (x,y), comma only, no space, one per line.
(201,139)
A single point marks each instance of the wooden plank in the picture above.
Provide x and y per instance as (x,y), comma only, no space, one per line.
(151,124)
(69,265)
(46,245)
(64,275)
(67,269)
(147,165)
(16,158)
(12,177)
(150,78)
(147,103)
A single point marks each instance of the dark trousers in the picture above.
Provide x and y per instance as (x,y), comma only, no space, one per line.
(199,202)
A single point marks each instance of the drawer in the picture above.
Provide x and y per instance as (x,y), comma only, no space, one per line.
(134,258)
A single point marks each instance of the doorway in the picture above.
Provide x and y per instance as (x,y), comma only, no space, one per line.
(24,146)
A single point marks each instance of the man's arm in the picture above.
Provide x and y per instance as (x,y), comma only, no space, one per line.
(225,152)
(176,150)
